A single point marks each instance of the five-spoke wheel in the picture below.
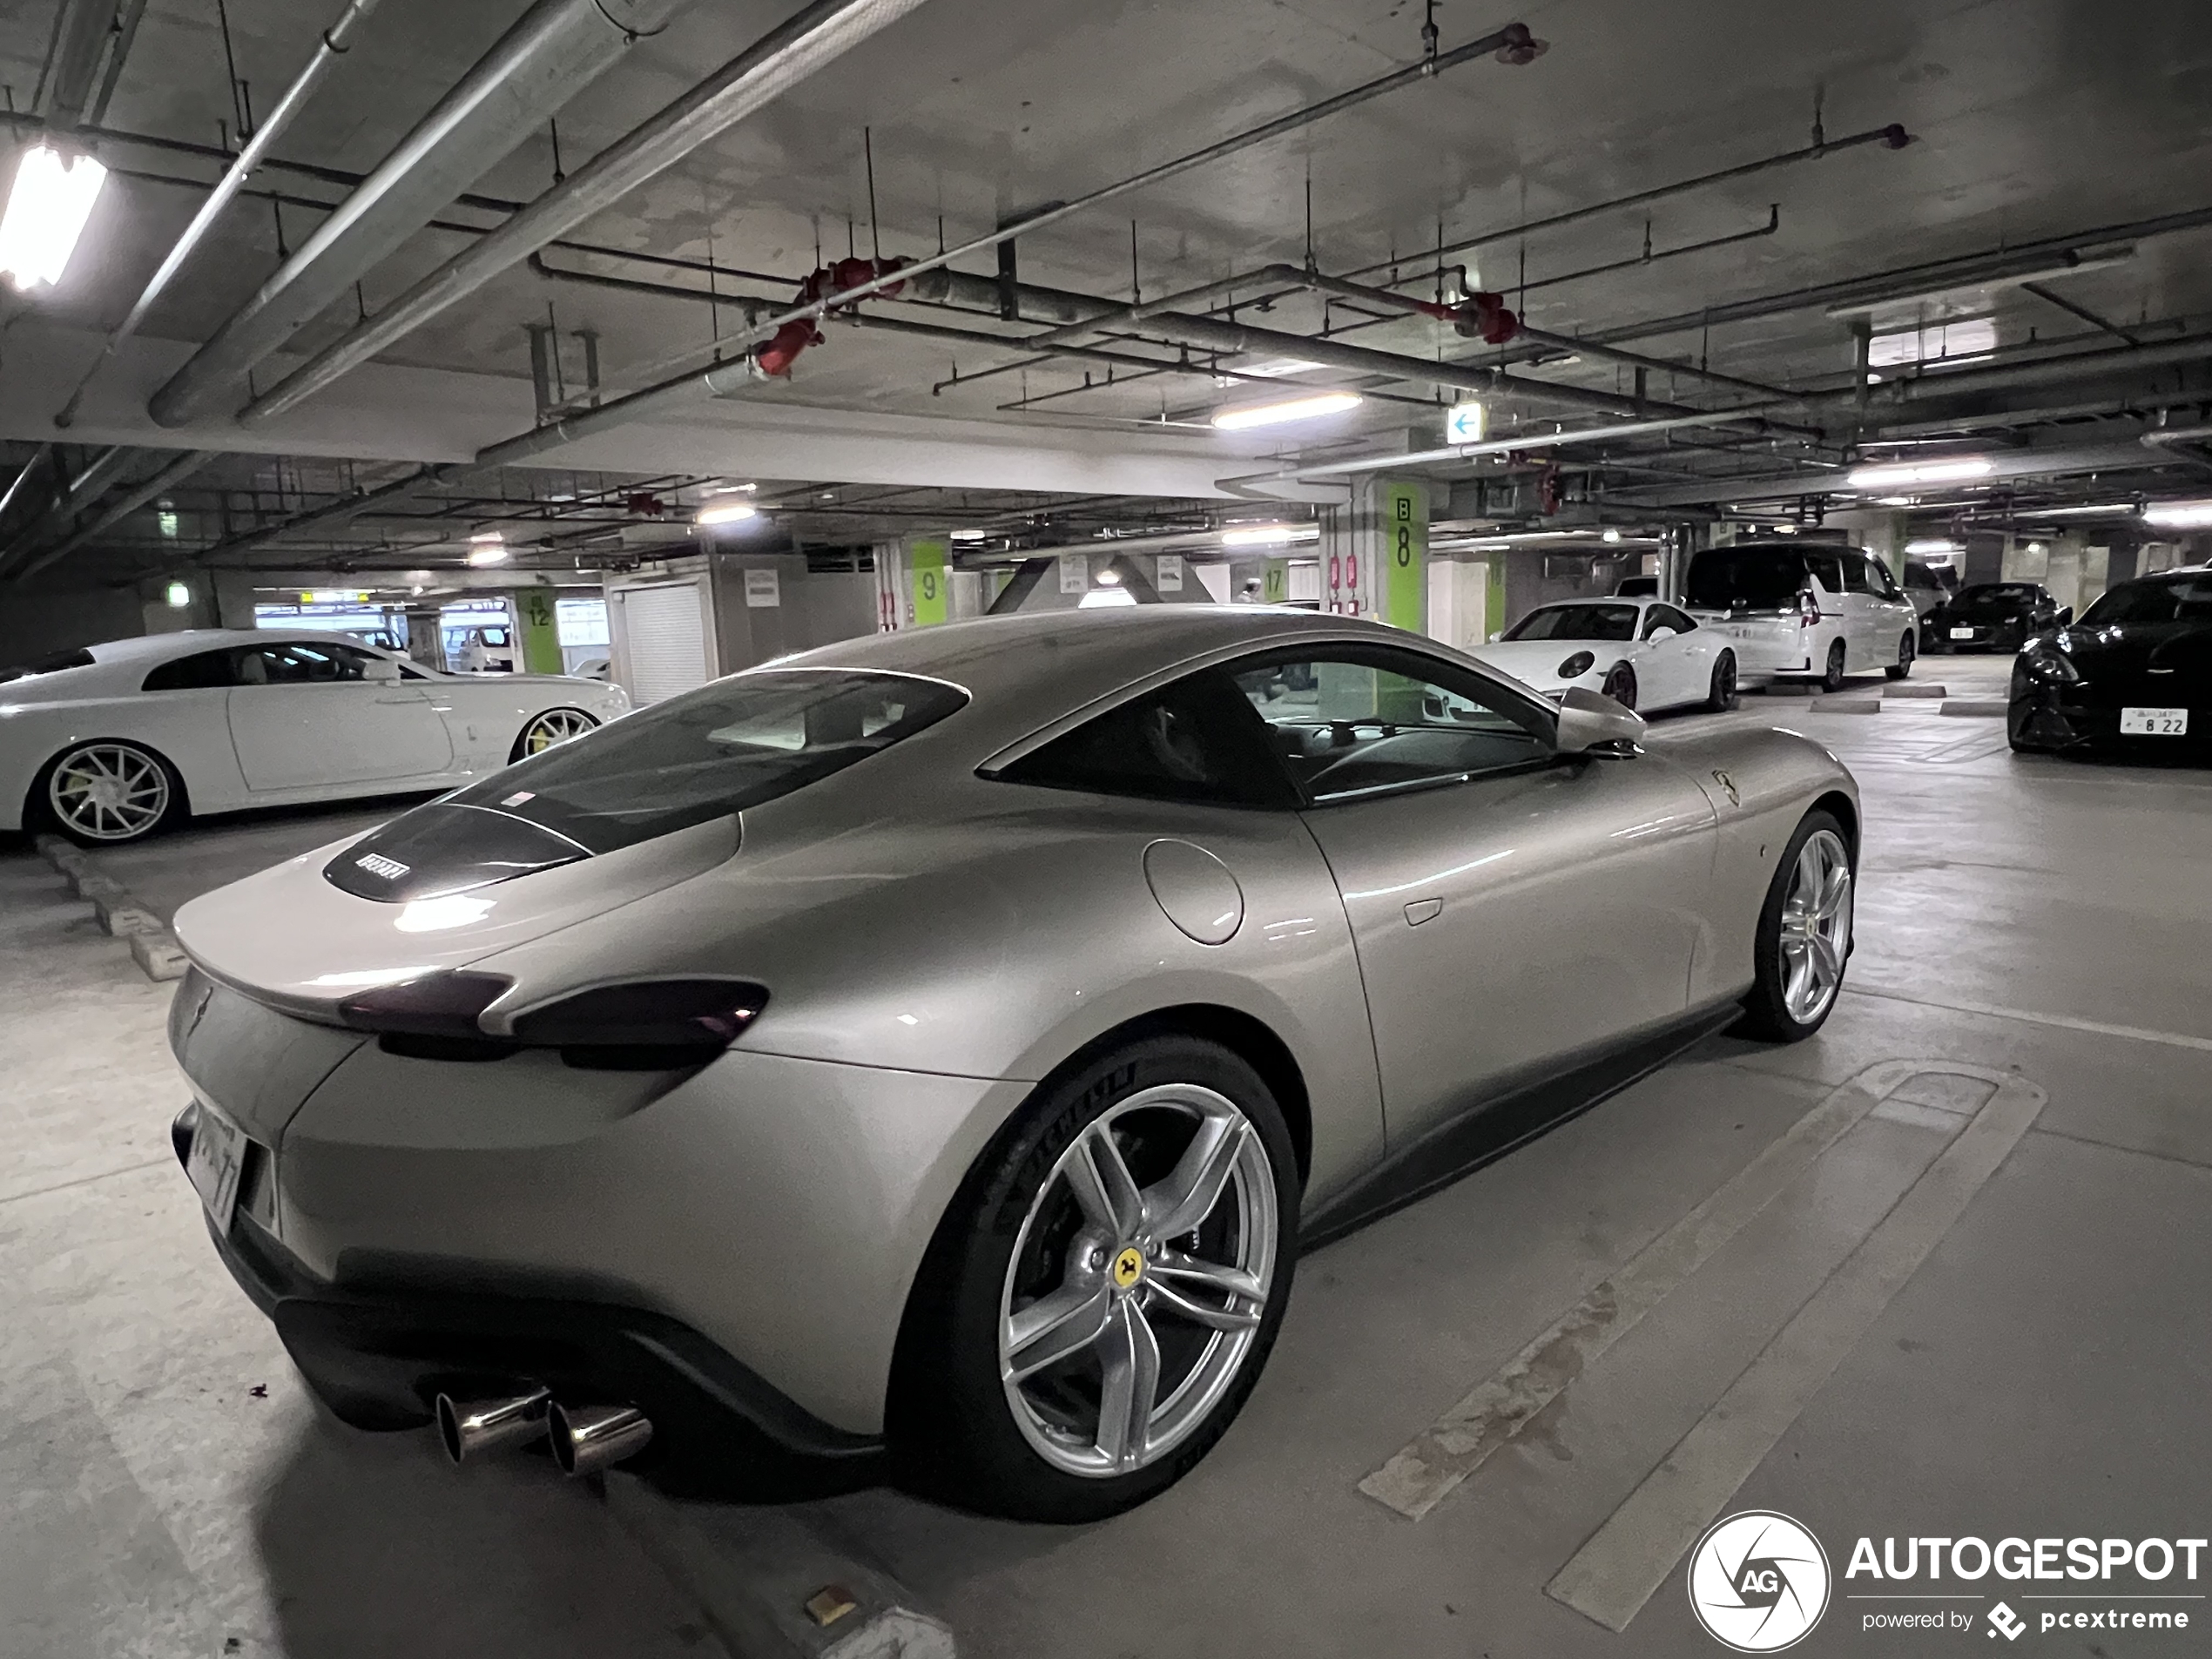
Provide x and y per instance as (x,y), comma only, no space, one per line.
(1804,934)
(110,791)
(1102,1293)
(1134,1290)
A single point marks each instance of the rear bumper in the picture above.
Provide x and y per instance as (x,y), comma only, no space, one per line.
(378,1345)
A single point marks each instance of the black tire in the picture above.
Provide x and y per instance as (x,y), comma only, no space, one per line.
(1903,666)
(1832,679)
(40,813)
(1720,696)
(1766,1015)
(1621,685)
(951,1426)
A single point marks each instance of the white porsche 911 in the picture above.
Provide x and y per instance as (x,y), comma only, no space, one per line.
(1641,652)
(115,741)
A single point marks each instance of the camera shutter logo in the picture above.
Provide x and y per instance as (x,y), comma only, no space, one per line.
(1758,1581)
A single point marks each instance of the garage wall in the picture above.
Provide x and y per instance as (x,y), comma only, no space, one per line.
(809,608)
(34,624)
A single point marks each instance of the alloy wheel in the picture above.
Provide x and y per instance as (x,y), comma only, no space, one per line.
(554,726)
(1816,927)
(109,792)
(1138,1280)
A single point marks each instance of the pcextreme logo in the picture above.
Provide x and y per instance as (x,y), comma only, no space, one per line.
(1758,1581)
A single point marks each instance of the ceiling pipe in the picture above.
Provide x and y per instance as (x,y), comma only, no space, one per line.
(334,44)
(38,458)
(2021,463)
(817,35)
(69,494)
(129,502)
(1892,136)
(1512,43)
(1469,451)
(557,49)
(127,36)
(81,32)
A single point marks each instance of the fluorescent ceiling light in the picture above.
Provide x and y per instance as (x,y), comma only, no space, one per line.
(1296,408)
(1932,342)
(1110,578)
(1269,535)
(46,212)
(2028,270)
(1938,545)
(1897,501)
(2096,510)
(1610,535)
(1101,598)
(1268,368)
(2179,515)
(490,553)
(1921,472)
(971,536)
(486,538)
(179,595)
(726,512)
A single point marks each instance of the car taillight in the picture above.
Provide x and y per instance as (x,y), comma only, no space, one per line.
(1808,608)
(653,1025)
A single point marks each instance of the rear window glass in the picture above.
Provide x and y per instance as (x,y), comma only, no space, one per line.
(1576,622)
(1762,577)
(722,748)
(203,671)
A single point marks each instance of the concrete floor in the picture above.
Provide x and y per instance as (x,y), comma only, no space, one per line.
(2042,1372)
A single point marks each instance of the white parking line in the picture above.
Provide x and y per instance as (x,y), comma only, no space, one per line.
(1419,1477)
(2064,1022)
(1613,1576)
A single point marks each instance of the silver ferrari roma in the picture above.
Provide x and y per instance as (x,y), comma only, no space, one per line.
(925,1058)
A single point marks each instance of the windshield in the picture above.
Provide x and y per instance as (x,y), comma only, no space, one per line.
(2189,599)
(1576,622)
(1995,596)
(1761,577)
(721,749)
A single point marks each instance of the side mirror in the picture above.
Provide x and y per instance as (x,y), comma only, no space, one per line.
(380,671)
(2066,615)
(1591,724)
(1660,633)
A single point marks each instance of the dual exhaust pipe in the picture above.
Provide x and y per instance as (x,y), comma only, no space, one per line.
(586,1438)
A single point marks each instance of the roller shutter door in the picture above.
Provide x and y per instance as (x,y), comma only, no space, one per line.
(665,633)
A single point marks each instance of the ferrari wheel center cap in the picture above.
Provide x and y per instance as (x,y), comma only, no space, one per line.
(1129,1267)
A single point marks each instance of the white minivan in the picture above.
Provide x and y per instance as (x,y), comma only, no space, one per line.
(1804,610)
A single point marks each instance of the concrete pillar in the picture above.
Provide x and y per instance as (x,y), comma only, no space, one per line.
(1374,554)
(537,635)
(1458,593)
(425,639)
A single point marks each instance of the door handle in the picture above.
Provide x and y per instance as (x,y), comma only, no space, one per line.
(1423,910)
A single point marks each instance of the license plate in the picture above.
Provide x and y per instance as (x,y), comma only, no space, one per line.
(2154,723)
(1962,633)
(217,1162)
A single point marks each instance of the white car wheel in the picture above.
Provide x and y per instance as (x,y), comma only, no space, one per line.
(554,726)
(110,791)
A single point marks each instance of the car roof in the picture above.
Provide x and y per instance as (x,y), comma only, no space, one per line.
(148,648)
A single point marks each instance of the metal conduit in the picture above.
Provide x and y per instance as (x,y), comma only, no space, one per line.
(170,475)
(333,46)
(812,38)
(557,48)
(682,391)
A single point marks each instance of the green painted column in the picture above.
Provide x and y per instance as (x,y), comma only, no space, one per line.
(537,632)
(926,560)
(1402,508)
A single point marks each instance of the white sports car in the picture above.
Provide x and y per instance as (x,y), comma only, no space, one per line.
(115,741)
(1643,653)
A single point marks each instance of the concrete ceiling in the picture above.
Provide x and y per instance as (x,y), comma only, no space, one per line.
(2030,120)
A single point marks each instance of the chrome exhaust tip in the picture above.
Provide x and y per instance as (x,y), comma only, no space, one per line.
(468,1428)
(586,1437)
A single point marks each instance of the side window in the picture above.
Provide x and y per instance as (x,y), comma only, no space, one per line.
(1855,577)
(1825,569)
(1353,720)
(1884,583)
(1660,616)
(203,672)
(1195,740)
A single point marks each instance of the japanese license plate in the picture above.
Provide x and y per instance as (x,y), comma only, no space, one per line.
(2154,723)
(1962,633)
(217,1162)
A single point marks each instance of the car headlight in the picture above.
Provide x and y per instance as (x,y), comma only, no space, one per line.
(1576,666)
(2047,663)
